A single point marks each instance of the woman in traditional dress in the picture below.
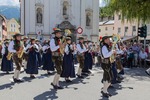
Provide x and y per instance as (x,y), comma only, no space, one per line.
(47,58)
(6,65)
(68,70)
(32,63)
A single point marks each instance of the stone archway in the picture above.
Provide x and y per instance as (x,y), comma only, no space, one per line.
(67,25)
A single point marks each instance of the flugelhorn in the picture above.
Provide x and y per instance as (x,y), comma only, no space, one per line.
(63,40)
(115,39)
(9,56)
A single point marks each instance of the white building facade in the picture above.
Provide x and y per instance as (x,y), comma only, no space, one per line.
(39,17)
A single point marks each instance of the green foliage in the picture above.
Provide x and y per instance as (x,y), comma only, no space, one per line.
(105,12)
(131,9)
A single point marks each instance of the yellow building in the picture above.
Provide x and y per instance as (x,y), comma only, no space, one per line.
(106,28)
(12,27)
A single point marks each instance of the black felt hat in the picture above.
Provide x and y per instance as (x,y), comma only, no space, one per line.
(56,30)
(105,37)
(16,35)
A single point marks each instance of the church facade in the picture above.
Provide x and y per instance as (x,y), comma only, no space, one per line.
(39,17)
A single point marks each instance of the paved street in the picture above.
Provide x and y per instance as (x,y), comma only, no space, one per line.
(136,86)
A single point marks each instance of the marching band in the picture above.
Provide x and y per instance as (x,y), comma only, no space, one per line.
(59,54)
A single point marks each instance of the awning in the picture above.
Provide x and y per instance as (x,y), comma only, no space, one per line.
(126,38)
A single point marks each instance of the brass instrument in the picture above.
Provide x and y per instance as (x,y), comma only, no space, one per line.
(9,56)
(20,54)
(115,39)
(63,41)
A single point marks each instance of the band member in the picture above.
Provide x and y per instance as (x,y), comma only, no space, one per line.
(15,47)
(39,53)
(47,58)
(106,64)
(81,49)
(68,70)
(25,56)
(6,65)
(57,57)
(32,65)
(88,62)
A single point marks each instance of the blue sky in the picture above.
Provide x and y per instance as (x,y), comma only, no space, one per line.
(16,2)
(9,2)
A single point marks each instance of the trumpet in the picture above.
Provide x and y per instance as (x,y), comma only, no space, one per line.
(115,39)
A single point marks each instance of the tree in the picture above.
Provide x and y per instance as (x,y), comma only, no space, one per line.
(131,9)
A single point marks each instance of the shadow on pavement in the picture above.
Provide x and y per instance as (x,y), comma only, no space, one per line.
(48,95)
(74,81)
(138,73)
(6,86)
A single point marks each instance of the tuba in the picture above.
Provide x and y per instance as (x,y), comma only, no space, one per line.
(115,39)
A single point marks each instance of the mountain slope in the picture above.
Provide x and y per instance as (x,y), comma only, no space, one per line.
(10,11)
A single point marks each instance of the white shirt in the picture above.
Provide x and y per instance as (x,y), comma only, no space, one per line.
(11,47)
(143,55)
(29,46)
(67,49)
(45,47)
(80,50)
(53,46)
(3,49)
(105,52)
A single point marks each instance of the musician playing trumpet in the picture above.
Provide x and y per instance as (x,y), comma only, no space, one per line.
(15,48)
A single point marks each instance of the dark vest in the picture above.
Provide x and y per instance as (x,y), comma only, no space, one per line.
(105,60)
(56,42)
(17,45)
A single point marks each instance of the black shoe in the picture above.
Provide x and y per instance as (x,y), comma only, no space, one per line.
(68,81)
(49,73)
(17,80)
(111,87)
(7,72)
(105,94)
(85,74)
(32,76)
(79,76)
(59,87)
(147,73)
(54,86)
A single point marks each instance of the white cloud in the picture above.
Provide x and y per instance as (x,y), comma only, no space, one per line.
(9,2)
(101,3)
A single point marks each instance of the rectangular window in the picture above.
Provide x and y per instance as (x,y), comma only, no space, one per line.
(119,17)
(119,30)
(133,28)
(99,30)
(126,29)
(14,25)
